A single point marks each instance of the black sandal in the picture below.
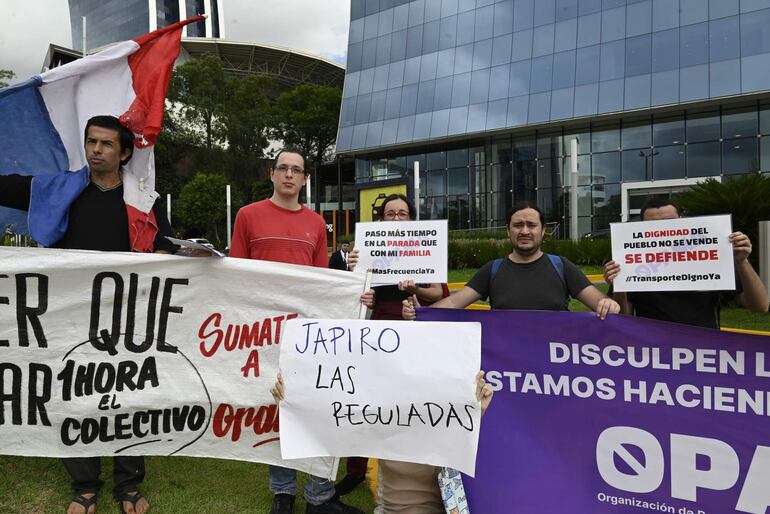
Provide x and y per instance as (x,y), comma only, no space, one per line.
(86,503)
(126,497)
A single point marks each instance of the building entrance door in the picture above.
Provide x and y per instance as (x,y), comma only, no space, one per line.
(635,194)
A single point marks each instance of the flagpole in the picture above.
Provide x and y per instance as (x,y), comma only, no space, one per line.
(229,217)
(85,39)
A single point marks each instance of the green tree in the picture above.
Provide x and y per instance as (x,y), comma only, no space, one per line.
(306,117)
(246,112)
(197,90)
(6,75)
(202,207)
(745,197)
(244,126)
(261,189)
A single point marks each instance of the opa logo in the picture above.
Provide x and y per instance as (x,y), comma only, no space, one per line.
(643,463)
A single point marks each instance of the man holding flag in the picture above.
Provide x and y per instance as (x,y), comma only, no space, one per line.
(109,203)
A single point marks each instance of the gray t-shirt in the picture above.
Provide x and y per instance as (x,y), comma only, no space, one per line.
(534,286)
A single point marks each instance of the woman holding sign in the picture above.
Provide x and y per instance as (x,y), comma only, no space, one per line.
(406,486)
(385,301)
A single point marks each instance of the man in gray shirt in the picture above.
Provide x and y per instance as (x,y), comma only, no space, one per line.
(527,279)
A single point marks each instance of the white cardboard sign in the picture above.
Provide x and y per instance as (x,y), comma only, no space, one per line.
(397,390)
(403,250)
(105,353)
(683,254)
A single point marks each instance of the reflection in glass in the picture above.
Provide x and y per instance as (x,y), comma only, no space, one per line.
(636,135)
(637,165)
(739,123)
(522,45)
(564,69)
(605,138)
(435,207)
(566,35)
(612,60)
(703,127)
(589,30)
(457,181)
(524,177)
(638,55)
(549,172)
(668,162)
(436,182)
(724,42)
(606,167)
(457,158)
(668,131)
(542,42)
(694,44)
(606,198)
(740,156)
(665,50)
(764,150)
(703,159)
(584,170)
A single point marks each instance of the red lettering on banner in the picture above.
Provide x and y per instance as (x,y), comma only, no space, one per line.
(239,336)
(261,420)
(252,363)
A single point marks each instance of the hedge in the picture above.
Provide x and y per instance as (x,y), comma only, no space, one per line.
(474,253)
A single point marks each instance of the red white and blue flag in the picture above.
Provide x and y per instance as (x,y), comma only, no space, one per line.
(44,117)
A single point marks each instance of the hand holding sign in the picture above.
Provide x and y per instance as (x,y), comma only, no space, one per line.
(682,254)
(386,389)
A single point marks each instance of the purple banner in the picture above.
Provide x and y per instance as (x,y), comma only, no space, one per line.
(623,415)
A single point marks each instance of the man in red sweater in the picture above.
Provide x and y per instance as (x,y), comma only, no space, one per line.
(280,229)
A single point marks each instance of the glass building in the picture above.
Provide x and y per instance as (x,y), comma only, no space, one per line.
(487,96)
(110,21)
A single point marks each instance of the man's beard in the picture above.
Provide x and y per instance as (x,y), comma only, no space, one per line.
(526,252)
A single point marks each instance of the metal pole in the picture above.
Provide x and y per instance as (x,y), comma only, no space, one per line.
(573,203)
(168,207)
(417,187)
(229,224)
(85,40)
(339,185)
(764,253)
(308,191)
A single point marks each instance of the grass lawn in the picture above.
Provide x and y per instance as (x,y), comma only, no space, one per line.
(174,485)
(181,485)
(732,317)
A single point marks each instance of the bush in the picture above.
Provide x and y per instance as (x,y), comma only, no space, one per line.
(489,233)
(585,252)
(474,253)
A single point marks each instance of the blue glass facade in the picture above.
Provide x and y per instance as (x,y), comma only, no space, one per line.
(110,21)
(650,87)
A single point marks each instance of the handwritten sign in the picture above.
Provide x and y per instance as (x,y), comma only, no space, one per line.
(390,389)
(403,250)
(684,254)
(134,354)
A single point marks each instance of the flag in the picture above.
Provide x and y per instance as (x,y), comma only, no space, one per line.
(43,119)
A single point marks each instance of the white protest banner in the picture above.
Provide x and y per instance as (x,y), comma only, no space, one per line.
(403,250)
(389,389)
(683,254)
(105,353)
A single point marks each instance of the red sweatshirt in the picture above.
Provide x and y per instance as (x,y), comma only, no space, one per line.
(268,232)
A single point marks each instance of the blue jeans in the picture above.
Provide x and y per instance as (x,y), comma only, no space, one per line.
(284,481)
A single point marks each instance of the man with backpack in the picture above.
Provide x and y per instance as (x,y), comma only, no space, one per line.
(527,279)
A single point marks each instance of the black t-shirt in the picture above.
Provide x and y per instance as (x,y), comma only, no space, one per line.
(534,286)
(697,308)
(97,219)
